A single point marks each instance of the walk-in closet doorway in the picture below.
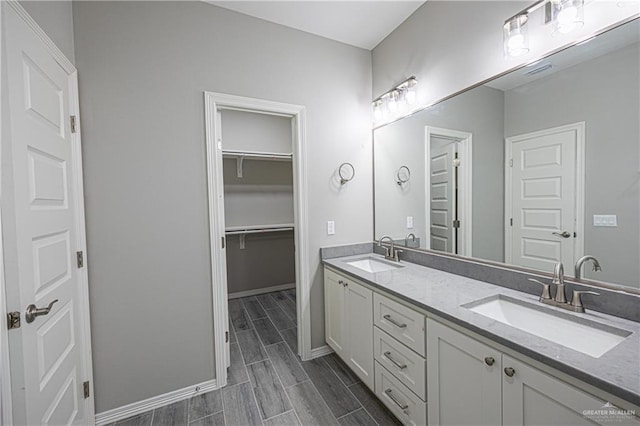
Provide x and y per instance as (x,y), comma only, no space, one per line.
(257,211)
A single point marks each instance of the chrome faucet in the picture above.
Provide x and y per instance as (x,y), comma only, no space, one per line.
(558,280)
(406,239)
(581,261)
(391,253)
(560,300)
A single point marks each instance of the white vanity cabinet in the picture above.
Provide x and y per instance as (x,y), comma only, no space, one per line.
(348,309)
(471,383)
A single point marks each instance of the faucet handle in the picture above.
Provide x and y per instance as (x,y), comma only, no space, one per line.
(576,299)
(395,253)
(546,292)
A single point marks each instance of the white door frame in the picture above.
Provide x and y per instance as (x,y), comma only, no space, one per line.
(214,103)
(81,243)
(465,181)
(578,241)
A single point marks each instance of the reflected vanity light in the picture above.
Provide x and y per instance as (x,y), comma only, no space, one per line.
(391,102)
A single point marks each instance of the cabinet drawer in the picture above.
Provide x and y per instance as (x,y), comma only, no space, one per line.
(410,409)
(402,323)
(402,362)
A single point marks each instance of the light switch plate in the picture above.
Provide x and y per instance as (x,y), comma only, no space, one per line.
(605,220)
(331,227)
(409,222)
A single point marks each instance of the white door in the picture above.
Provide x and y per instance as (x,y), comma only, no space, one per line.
(443,199)
(334,311)
(542,186)
(464,383)
(531,397)
(50,357)
(358,322)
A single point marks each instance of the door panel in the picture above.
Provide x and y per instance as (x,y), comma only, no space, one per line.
(442,202)
(359,326)
(543,198)
(334,312)
(48,232)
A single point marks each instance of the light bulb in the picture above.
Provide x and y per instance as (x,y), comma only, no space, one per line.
(392,103)
(568,16)
(516,41)
(410,96)
(377,111)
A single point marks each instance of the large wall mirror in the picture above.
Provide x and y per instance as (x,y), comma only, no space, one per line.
(538,166)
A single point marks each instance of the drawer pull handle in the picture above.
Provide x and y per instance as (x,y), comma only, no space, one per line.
(509,371)
(396,363)
(402,406)
(394,322)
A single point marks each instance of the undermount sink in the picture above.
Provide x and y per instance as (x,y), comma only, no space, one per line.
(580,334)
(372,264)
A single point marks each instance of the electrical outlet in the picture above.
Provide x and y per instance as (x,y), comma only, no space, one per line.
(605,220)
(331,227)
(409,222)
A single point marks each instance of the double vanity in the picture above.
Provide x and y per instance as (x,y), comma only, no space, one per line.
(440,348)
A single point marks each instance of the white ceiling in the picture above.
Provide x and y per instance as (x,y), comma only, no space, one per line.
(360,23)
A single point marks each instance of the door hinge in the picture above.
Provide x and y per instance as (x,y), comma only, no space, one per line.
(85,389)
(511,222)
(226,337)
(73,122)
(13,320)
(456,224)
(511,162)
(222,242)
(79,259)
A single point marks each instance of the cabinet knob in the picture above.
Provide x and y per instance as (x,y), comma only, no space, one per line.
(341,283)
(489,360)
(509,371)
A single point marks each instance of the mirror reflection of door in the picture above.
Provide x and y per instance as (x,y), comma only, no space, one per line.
(543,191)
(444,188)
(448,187)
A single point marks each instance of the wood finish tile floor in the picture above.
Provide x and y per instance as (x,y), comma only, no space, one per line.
(268,385)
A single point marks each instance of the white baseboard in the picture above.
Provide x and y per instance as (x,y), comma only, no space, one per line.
(257,291)
(321,351)
(152,403)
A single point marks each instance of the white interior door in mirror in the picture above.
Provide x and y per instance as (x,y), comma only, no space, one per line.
(542,192)
(50,356)
(443,194)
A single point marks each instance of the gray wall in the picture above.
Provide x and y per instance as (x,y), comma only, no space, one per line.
(604,93)
(56,19)
(143,67)
(479,112)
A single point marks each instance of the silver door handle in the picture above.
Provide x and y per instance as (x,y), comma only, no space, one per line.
(402,406)
(33,311)
(394,322)
(564,234)
(396,363)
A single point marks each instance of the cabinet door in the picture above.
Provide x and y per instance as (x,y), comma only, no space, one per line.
(532,397)
(334,311)
(462,387)
(359,331)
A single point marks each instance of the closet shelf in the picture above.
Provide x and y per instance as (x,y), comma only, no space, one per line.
(258,229)
(240,156)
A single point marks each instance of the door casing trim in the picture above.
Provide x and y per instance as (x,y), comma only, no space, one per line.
(214,103)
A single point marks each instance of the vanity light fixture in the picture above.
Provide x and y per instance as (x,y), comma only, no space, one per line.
(391,101)
(565,15)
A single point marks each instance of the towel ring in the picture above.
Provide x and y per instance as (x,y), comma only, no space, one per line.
(402,179)
(343,172)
